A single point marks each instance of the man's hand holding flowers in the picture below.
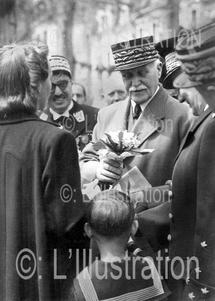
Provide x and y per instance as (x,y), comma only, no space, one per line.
(110,167)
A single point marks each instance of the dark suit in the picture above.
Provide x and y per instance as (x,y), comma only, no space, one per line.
(80,123)
(40,202)
(193,207)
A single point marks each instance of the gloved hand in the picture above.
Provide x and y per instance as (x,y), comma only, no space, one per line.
(110,168)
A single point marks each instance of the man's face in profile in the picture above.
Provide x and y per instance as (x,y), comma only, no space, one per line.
(194,99)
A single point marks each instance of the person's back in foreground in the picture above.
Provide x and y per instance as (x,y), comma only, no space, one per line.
(116,275)
(40,196)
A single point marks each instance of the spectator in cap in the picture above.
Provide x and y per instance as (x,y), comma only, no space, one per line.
(113,89)
(193,206)
(78,119)
(160,122)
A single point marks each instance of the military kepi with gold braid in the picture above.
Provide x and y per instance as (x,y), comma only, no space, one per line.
(134,53)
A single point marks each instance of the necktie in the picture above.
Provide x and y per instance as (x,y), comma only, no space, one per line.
(60,120)
(137,111)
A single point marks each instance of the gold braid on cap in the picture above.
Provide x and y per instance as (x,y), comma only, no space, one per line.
(201,70)
(138,54)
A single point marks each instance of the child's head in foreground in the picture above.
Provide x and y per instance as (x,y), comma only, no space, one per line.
(110,217)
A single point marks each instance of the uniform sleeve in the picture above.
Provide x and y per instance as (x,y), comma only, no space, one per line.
(202,277)
(61,184)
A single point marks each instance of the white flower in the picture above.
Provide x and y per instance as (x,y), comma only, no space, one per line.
(114,136)
(102,153)
(203,244)
(204,290)
(128,139)
(191,295)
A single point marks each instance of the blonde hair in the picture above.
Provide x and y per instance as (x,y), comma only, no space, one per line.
(22,68)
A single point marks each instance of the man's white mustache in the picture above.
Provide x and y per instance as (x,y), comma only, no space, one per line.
(211,88)
(136,90)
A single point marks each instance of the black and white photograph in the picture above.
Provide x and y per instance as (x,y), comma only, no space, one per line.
(107,150)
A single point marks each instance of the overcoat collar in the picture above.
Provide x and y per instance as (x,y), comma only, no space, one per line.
(120,114)
(194,127)
(200,119)
(16,113)
(150,120)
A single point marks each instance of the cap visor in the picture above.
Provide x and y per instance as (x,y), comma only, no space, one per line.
(183,81)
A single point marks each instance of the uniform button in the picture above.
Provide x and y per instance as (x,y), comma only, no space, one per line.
(169,237)
(170,215)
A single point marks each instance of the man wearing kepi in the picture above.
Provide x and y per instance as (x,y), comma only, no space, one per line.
(192,236)
(77,119)
(159,121)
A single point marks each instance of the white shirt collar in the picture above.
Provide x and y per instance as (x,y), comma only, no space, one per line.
(144,105)
(64,114)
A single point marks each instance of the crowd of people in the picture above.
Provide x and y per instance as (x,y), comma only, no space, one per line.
(68,229)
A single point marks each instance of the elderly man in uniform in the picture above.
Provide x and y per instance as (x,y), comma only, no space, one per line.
(160,122)
(78,119)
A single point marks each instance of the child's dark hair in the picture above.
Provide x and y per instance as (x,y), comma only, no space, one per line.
(110,213)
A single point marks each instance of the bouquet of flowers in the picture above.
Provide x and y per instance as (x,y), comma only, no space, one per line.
(123,143)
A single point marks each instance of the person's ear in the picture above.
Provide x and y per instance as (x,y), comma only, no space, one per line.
(134,227)
(88,230)
(159,68)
